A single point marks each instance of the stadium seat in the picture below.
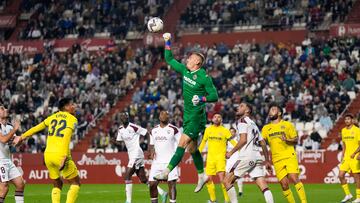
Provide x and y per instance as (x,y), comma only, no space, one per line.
(323,133)
(352,94)
(237,28)
(299,126)
(109,150)
(317,125)
(215,29)
(90,150)
(99,150)
(309,126)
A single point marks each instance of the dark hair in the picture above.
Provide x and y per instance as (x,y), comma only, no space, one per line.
(349,115)
(277,106)
(248,105)
(63,102)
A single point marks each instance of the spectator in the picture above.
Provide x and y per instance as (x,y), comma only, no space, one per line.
(316,138)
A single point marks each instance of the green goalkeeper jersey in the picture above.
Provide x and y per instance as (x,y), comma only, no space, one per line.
(194,83)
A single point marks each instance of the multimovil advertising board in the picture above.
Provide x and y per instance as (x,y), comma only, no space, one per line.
(315,167)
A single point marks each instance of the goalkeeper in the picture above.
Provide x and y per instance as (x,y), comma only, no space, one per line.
(198,89)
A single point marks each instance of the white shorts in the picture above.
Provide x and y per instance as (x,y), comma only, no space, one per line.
(136,163)
(158,168)
(254,168)
(8,170)
(232,160)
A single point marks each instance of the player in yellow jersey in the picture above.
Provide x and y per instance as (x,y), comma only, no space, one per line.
(57,156)
(217,137)
(282,138)
(350,163)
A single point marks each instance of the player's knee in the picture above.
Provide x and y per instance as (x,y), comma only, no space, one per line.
(4,190)
(20,186)
(153,184)
(284,184)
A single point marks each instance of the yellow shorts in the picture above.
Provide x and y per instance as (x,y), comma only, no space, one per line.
(215,166)
(285,166)
(350,166)
(56,168)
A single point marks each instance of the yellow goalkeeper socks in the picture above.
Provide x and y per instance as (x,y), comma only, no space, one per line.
(289,196)
(226,196)
(346,189)
(301,192)
(55,195)
(357,193)
(72,193)
(211,189)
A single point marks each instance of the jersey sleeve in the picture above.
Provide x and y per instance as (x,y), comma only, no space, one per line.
(291,130)
(141,131)
(204,140)
(174,64)
(212,95)
(72,123)
(242,128)
(41,126)
(151,138)
(118,137)
(177,135)
(263,133)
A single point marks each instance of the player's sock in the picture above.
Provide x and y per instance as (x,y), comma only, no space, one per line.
(198,161)
(301,192)
(268,196)
(72,193)
(154,200)
(226,196)
(211,189)
(172,200)
(175,160)
(346,189)
(2,199)
(55,195)
(128,190)
(240,185)
(232,195)
(357,193)
(289,196)
(160,190)
(19,196)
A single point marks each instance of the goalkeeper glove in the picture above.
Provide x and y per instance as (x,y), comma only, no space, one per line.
(197,99)
(167,37)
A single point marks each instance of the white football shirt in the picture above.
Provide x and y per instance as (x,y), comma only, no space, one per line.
(165,141)
(131,135)
(4,147)
(251,149)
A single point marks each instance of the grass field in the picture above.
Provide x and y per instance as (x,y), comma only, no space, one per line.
(109,193)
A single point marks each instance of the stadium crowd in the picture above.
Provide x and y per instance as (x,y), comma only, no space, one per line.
(276,14)
(31,85)
(312,81)
(55,19)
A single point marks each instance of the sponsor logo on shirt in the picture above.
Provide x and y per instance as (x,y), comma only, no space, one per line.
(189,81)
(160,138)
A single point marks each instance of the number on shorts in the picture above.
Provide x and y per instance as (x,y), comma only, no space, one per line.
(2,169)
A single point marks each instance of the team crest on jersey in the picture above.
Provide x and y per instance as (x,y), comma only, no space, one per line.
(194,77)
(168,132)
(282,127)
(251,163)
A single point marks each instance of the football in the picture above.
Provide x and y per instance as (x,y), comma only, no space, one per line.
(155,24)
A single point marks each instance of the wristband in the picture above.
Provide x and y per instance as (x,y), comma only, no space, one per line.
(168,45)
(203,99)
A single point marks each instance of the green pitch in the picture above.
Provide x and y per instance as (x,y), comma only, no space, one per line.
(108,193)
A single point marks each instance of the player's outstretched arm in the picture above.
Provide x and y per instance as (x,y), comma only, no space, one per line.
(5,138)
(239,145)
(212,95)
(169,58)
(41,126)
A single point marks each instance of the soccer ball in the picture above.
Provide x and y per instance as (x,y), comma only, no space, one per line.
(155,24)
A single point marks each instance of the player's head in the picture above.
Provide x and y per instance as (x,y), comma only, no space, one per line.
(124,118)
(233,131)
(3,112)
(217,119)
(244,109)
(195,61)
(349,119)
(164,117)
(275,112)
(67,104)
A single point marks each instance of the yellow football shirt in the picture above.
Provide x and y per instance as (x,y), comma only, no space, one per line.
(351,138)
(272,133)
(61,126)
(217,137)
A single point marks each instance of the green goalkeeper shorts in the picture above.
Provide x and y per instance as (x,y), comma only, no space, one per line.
(194,127)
